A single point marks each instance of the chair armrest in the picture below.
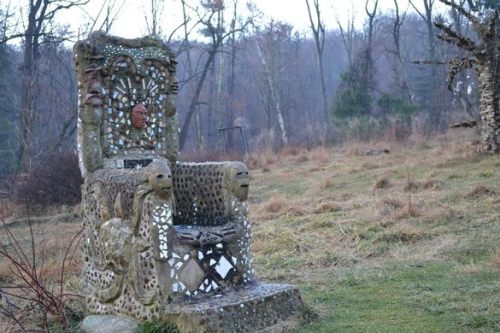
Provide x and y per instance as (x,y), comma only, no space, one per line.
(210,193)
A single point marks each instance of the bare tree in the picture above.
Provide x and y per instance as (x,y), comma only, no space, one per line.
(152,20)
(462,90)
(318,30)
(347,35)
(430,85)
(213,28)
(400,69)
(38,29)
(274,94)
(368,63)
(230,112)
(189,67)
(9,87)
(427,17)
(214,31)
(106,16)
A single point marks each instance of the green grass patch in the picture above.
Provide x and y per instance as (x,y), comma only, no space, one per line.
(426,298)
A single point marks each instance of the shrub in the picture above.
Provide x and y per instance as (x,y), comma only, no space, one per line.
(56,181)
(362,128)
(37,295)
(396,106)
(352,98)
(382,183)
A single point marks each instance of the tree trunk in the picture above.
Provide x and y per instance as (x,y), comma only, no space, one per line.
(489,81)
(194,102)
(274,96)
(430,103)
(30,58)
(326,113)
(26,127)
(318,30)
(400,70)
(229,101)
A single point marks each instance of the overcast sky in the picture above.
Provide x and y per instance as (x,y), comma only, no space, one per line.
(131,19)
(131,22)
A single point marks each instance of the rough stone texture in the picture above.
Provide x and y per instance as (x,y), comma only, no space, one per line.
(109,324)
(161,238)
(259,307)
(489,76)
(136,258)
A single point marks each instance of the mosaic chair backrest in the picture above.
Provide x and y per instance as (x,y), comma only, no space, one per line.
(158,232)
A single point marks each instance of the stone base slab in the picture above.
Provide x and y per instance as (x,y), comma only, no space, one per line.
(109,324)
(258,307)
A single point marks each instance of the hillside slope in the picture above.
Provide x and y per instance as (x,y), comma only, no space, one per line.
(402,242)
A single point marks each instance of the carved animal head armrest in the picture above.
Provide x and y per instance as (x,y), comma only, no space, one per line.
(236,185)
(156,180)
(236,180)
(159,178)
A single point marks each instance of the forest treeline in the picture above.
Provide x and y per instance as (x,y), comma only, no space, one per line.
(250,83)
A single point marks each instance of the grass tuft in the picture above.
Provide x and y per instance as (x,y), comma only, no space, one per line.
(409,210)
(382,183)
(481,191)
(321,155)
(275,205)
(327,184)
(410,185)
(302,158)
(327,207)
(403,233)
(495,258)
(392,203)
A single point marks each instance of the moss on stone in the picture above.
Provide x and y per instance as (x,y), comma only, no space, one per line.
(158,326)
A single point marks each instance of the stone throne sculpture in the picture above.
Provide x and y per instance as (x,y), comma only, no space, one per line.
(163,239)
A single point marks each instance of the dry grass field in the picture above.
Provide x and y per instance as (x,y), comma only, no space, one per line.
(402,242)
(406,241)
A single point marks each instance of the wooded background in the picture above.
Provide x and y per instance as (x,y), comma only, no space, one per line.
(387,79)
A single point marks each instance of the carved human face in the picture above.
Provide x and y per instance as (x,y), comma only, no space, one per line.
(160,178)
(238,180)
(139,112)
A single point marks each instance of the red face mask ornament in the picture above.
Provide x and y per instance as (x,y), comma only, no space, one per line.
(139,116)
